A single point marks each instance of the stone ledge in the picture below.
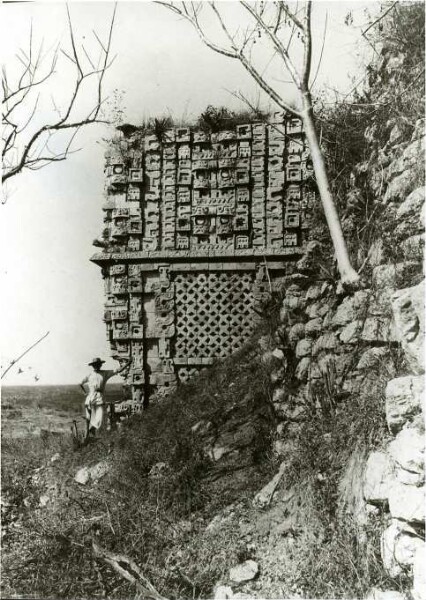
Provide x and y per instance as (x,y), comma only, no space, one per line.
(188,256)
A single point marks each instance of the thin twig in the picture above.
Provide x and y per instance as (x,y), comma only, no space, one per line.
(16,360)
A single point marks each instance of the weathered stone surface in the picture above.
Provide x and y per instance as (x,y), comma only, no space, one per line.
(158,470)
(293,290)
(350,333)
(326,288)
(264,497)
(389,276)
(419,574)
(270,359)
(408,310)
(387,550)
(409,214)
(407,450)
(313,327)
(284,314)
(406,161)
(378,329)
(399,548)
(351,308)
(277,375)
(278,354)
(293,413)
(408,477)
(99,470)
(327,341)
(377,253)
(311,254)
(296,333)
(399,187)
(412,248)
(377,476)
(302,369)
(303,348)
(313,292)
(342,363)
(246,571)
(377,594)
(379,304)
(406,547)
(202,427)
(397,133)
(44,500)
(217,452)
(82,476)
(318,309)
(372,358)
(223,592)
(419,130)
(407,502)
(279,395)
(293,302)
(404,400)
(264,343)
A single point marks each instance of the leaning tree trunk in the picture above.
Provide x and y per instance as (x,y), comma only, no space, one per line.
(347,272)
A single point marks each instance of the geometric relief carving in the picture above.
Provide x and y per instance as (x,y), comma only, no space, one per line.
(214,313)
(194,195)
(185,374)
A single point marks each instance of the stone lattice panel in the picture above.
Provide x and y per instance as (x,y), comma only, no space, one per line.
(185,374)
(214,313)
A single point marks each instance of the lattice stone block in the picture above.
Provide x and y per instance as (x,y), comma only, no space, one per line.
(213,313)
(186,373)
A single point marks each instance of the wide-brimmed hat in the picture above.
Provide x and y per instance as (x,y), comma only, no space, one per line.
(96,361)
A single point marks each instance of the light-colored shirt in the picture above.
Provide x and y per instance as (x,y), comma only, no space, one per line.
(96,382)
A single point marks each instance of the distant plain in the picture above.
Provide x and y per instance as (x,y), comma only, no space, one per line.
(30,410)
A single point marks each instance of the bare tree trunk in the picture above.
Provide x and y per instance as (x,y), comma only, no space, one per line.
(347,272)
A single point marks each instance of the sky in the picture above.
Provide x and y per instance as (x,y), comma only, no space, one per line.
(51,216)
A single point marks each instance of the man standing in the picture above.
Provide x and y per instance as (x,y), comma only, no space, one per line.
(94,403)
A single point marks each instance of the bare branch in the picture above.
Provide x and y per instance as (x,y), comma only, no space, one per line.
(88,57)
(30,117)
(278,21)
(9,140)
(32,83)
(276,42)
(128,569)
(223,26)
(68,56)
(105,66)
(307,55)
(195,23)
(291,16)
(266,87)
(100,43)
(32,156)
(73,43)
(29,59)
(322,51)
(13,362)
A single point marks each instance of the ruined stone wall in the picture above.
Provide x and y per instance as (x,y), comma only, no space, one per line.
(198,226)
(331,345)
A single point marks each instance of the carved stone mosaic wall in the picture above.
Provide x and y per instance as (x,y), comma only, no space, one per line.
(196,228)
